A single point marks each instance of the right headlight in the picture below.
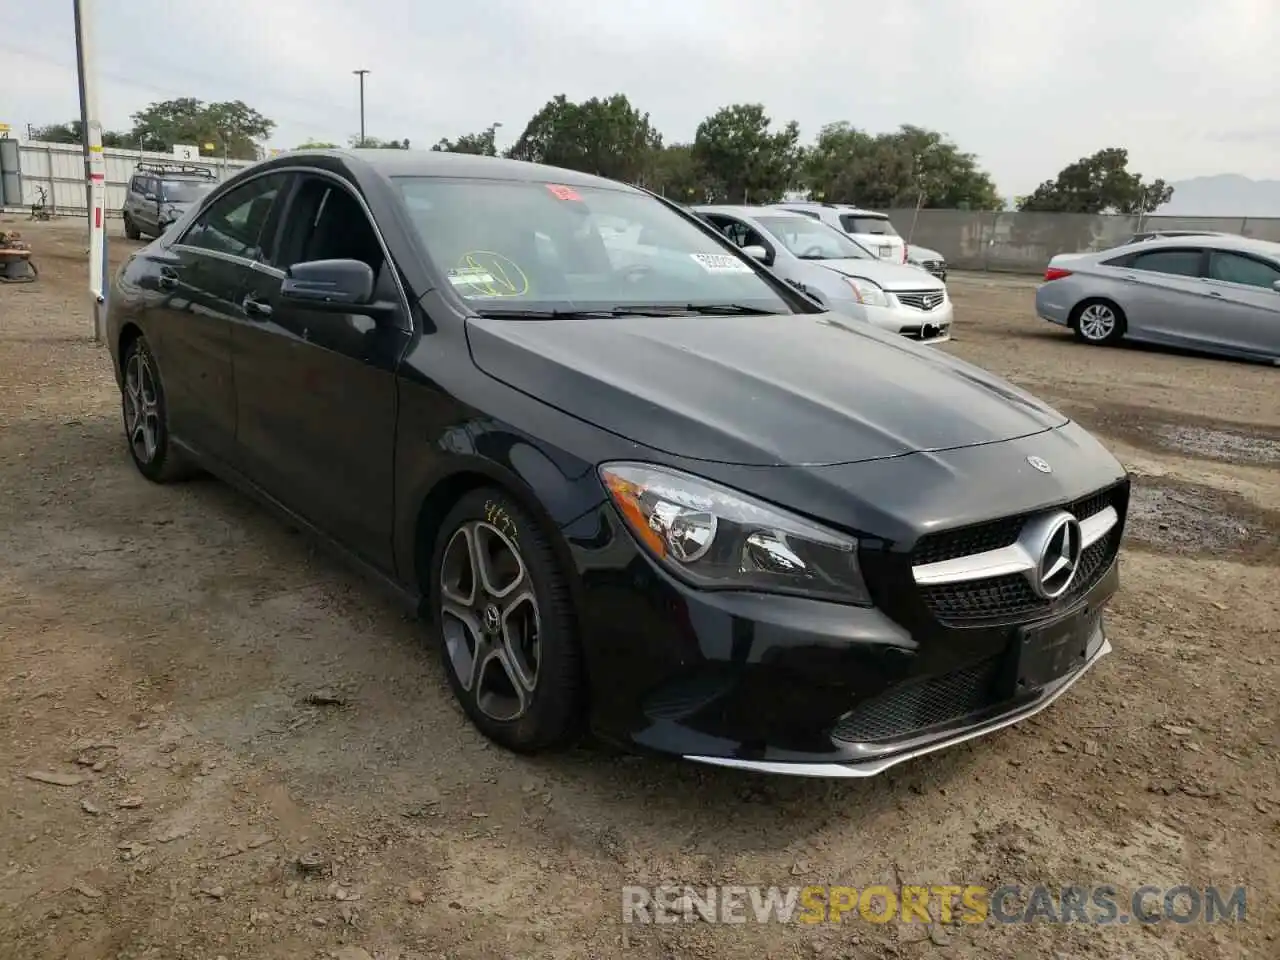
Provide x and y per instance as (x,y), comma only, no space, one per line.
(716,538)
(868,293)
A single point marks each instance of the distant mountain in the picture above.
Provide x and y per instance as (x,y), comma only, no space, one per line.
(1224,195)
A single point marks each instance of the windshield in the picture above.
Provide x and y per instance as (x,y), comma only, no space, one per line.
(183,191)
(519,245)
(879,226)
(812,239)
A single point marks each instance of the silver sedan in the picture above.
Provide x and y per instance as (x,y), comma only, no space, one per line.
(1219,294)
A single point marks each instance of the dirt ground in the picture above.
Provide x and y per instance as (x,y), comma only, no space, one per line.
(256,755)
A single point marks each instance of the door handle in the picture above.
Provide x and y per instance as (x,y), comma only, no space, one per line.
(1215,293)
(256,308)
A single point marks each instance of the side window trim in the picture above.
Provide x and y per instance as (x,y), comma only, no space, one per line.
(294,187)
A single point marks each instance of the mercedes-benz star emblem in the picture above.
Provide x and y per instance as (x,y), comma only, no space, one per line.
(1059,558)
(1041,465)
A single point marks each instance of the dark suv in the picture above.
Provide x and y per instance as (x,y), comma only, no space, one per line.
(159,193)
(631,477)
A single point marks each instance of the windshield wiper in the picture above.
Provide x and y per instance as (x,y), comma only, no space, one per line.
(638,310)
(732,309)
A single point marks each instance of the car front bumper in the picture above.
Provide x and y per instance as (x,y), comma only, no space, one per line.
(976,727)
(925,326)
(788,685)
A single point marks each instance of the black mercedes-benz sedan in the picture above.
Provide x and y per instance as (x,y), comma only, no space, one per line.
(633,481)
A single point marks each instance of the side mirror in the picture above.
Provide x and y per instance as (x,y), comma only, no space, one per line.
(336,286)
(757,252)
(1276,286)
(148,195)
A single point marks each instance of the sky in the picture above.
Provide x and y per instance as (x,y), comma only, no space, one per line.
(1190,87)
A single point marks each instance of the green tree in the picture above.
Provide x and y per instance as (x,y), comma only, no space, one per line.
(375,143)
(674,173)
(607,137)
(1099,184)
(742,159)
(894,170)
(232,125)
(70,132)
(480,144)
(316,145)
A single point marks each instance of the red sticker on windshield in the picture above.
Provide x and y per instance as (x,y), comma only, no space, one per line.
(561,192)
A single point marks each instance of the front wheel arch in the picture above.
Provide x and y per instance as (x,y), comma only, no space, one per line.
(448,490)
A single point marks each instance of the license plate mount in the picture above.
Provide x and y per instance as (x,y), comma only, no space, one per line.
(886,253)
(1048,653)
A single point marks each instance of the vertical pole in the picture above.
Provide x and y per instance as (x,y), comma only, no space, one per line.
(95,165)
(360,74)
(916,216)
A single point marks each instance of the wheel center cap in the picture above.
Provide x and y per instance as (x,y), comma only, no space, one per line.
(492,619)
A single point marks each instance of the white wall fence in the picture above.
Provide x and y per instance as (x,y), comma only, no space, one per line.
(59,168)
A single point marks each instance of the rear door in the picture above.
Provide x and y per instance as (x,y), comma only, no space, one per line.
(316,391)
(1245,311)
(203,274)
(1161,291)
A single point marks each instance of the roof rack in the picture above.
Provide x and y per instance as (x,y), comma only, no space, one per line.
(175,169)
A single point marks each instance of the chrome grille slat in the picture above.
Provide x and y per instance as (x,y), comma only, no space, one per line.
(979,573)
(924,300)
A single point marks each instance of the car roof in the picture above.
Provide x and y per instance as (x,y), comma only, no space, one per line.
(731,210)
(1218,241)
(434,163)
(838,207)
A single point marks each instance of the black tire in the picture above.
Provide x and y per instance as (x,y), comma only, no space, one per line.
(527,719)
(130,230)
(148,440)
(1096,330)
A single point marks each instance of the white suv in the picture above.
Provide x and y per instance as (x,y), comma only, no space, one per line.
(871,230)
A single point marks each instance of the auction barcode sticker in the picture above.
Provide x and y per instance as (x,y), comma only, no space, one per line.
(720,263)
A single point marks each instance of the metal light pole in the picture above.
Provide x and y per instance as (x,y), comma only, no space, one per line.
(360,74)
(95,167)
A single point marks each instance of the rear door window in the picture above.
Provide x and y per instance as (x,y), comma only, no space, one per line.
(234,223)
(877,226)
(1177,263)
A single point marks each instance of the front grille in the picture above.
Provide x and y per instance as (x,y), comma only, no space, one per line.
(918,706)
(1010,597)
(933,266)
(920,299)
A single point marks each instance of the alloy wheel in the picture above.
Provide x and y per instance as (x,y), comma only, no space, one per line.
(490,620)
(141,407)
(1097,322)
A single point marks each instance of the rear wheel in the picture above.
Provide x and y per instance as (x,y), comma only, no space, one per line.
(146,421)
(1099,322)
(130,230)
(506,625)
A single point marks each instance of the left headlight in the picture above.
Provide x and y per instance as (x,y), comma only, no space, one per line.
(868,293)
(716,538)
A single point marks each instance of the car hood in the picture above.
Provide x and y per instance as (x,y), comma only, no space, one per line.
(891,276)
(924,253)
(803,389)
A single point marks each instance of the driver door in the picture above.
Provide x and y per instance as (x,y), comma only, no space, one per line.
(316,391)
